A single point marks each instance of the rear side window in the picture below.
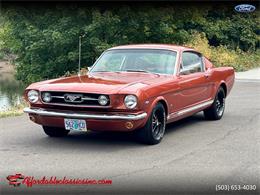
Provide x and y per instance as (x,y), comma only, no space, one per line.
(191,62)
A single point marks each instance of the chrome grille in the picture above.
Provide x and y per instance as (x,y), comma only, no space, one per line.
(74,99)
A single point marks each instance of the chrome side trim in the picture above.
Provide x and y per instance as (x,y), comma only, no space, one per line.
(190,109)
(43,112)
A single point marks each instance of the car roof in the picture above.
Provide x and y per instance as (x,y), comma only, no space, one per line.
(153,46)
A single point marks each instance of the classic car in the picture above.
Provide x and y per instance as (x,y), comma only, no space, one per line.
(136,88)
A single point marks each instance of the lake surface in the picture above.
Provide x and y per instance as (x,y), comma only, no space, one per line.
(10,89)
(10,94)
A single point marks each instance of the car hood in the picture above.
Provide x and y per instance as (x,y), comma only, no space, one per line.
(105,83)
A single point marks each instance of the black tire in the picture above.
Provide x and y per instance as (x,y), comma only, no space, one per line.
(153,131)
(216,110)
(55,131)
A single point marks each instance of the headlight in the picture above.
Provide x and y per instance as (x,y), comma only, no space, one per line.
(102,100)
(46,97)
(33,96)
(130,101)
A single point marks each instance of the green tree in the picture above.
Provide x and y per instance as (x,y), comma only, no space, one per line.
(45,40)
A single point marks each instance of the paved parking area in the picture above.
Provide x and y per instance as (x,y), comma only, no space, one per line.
(194,156)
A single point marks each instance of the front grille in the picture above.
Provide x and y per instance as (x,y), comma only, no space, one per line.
(73,99)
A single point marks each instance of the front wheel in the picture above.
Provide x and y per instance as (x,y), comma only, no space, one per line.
(153,131)
(216,110)
(55,131)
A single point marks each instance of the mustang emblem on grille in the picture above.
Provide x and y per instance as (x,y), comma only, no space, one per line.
(77,98)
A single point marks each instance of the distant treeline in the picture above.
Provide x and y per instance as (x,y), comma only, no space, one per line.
(45,40)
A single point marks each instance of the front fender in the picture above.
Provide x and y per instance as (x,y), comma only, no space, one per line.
(152,103)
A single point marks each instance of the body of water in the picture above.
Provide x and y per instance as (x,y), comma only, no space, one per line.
(10,94)
(10,89)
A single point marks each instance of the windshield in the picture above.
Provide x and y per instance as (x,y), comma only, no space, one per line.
(136,60)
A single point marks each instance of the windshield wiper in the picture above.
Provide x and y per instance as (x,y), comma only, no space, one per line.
(100,71)
(133,70)
(128,70)
(107,71)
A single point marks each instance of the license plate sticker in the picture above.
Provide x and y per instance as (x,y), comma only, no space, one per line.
(75,124)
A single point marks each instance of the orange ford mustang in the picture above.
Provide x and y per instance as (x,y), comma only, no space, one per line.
(132,88)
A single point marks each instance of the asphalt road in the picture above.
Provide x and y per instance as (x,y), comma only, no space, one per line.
(194,156)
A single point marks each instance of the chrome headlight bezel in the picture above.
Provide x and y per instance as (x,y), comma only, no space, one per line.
(103,100)
(130,101)
(33,96)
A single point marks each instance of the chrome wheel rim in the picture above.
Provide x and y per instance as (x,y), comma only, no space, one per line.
(158,125)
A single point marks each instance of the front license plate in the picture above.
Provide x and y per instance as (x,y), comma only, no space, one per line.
(75,124)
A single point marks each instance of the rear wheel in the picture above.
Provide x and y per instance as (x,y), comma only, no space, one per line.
(216,110)
(153,131)
(55,131)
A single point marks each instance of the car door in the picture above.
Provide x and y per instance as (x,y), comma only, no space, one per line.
(192,80)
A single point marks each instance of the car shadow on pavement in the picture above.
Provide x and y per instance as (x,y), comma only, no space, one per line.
(105,140)
(183,123)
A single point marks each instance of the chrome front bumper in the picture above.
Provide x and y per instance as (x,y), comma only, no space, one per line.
(43,112)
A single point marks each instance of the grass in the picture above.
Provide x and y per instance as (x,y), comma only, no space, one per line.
(13,111)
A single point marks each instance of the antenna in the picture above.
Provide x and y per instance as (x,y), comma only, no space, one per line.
(80,39)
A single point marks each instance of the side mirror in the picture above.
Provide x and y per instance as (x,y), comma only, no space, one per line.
(89,68)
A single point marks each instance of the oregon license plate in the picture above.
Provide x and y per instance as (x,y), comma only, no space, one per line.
(75,124)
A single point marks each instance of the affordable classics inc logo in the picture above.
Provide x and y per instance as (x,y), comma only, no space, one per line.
(15,180)
(19,179)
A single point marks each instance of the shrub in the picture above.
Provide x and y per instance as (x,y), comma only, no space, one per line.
(222,56)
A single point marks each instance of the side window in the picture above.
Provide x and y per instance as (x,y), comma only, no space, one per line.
(191,63)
